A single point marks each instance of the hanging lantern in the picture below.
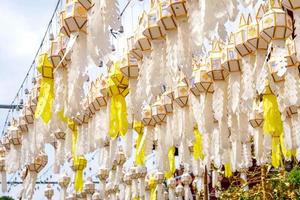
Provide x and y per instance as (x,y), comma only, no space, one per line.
(178,8)
(14,135)
(76,16)
(5,142)
(291,4)
(201,81)
(60,135)
(53,53)
(167,100)
(63,27)
(117,76)
(256,117)
(64,181)
(49,192)
(129,66)
(240,38)
(120,158)
(87,4)
(133,50)
(27,114)
(2,151)
(292,53)
(81,195)
(179,190)
(159,177)
(291,110)
(89,186)
(103,85)
(276,23)
(254,41)
(81,118)
(181,94)
(97,99)
(22,124)
(231,60)
(142,42)
(39,163)
(153,31)
(71,196)
(276,64)
(36,91)
(166,20)
(216,71)
(159,112)
(147,116)
(103,174)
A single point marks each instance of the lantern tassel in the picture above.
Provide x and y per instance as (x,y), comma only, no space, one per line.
(3,182)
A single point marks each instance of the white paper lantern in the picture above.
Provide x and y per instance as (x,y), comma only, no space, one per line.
(129,66)
(231,59)
(147,116)
(141,41)
(158,110)
(215,70)
(166,20)
(240,38)
(75,16)
(49,192)
(178,8)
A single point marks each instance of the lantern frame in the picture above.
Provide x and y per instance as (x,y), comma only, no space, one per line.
(166,19)
(76,16)
(292,60)
(141,41)
(181,94)
(291,4)
(87,4)
(158,111)
(178,8)
(201,82)
(215,69)
(129,66)
(240,38)
(231,59)
(133,50)
(63,27)
(168,101)
(147,116)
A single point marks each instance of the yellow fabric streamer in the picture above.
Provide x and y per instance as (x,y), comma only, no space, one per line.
(172,168)
(198,153)
(273,124)
(79,165)
(228,172)
(117,89)
(152,187)
(46,96)
(135,198)
(138,126)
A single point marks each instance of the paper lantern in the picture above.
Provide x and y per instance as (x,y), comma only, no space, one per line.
(36,91)
(167,100)
(275,24)
(256,119)
(159,112)
(166,20)
(63,27)
(231,59)
(133,173)
(103,85)
(76,16)
(275,65)
(172,183)
(178,8)
(291,57)
(254,41)
(81,195)
(291,110)
(201,81)
(240,38)
(159,177)
(291,4)
(133,50)
(60,135)
(5,142)
(27,114)
(39,163)
(127,179)
(97,99)
(49,192)
(141,171)
(152,30)
(14,135)
(129,66)
(117,76)
(120,158)
(64,181)
(89,186)
(2,164)
(215,70)
(57,50)
(103,174)
(147,116)
(181,94)
(2,151)
(87,4)
(142,42)
(22,124)
(79,163)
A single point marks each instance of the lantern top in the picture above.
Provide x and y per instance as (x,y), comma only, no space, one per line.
(243,21)
(231,38)
(260,12)
(216,47)
(275,4)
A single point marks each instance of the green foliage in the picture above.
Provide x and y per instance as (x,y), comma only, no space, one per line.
(6,198)
(294,177)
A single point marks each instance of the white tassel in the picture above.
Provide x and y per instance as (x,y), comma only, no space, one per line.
(247,82)
(29,185)
(3,182)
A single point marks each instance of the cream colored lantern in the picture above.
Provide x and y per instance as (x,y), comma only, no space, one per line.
(2,151)
(158,110)
(240,38)
(22,124)
(14,135)
(142,42)
(153,31)
(39,163)
(103,85)
(27,114)
(215,70)
(166,20)
(36,91)
(63,27)
(76,16)
(291,110)
(49,192)
(133,50)
(87,4)
(181,94)
(167,100)
(64,181)
(103,174)
(178,8)
(291,4)
(292,53)
(256,119)
(89,186)
(5,142)
(53,53)
(129,66)
(254,41)
(231,59)
(276,23)
(147,116)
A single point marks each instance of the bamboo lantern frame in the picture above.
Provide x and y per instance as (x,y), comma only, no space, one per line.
(291,4)
(133,50)
(201,82)
(178,8)
(39,163)
(147,116)
(158,111)
(129,66)
(231,59)
(63,27)
(166,19)
(275,24)
(76,16)
(240,38)
(87,4)
(273,68)
(181,94)
(142,42)
(167,100)
(291,58)
(215,70)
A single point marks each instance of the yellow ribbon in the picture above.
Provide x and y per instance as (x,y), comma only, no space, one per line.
(117,89)
(273,124)
(138,126)
(197,147)
(152,187)
(228,172)
(46,96)
(135,198)
(172,168)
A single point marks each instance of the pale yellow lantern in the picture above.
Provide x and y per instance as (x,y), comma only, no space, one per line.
(181,94)
(215,70)
(39,163)
(276,23)
(178,8)
(141,41)
(256,117)
(79,163)
(14,134)
(129,66)
(63,27)
(240,38)
(167,100)
(291,4)
(231,60)
(159,112)
(49,192)
(291,57)
(166,20)
(147,116)
(153,31)
(254,41)
(22,124)
(87,4)
(76,16)
(133,50)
